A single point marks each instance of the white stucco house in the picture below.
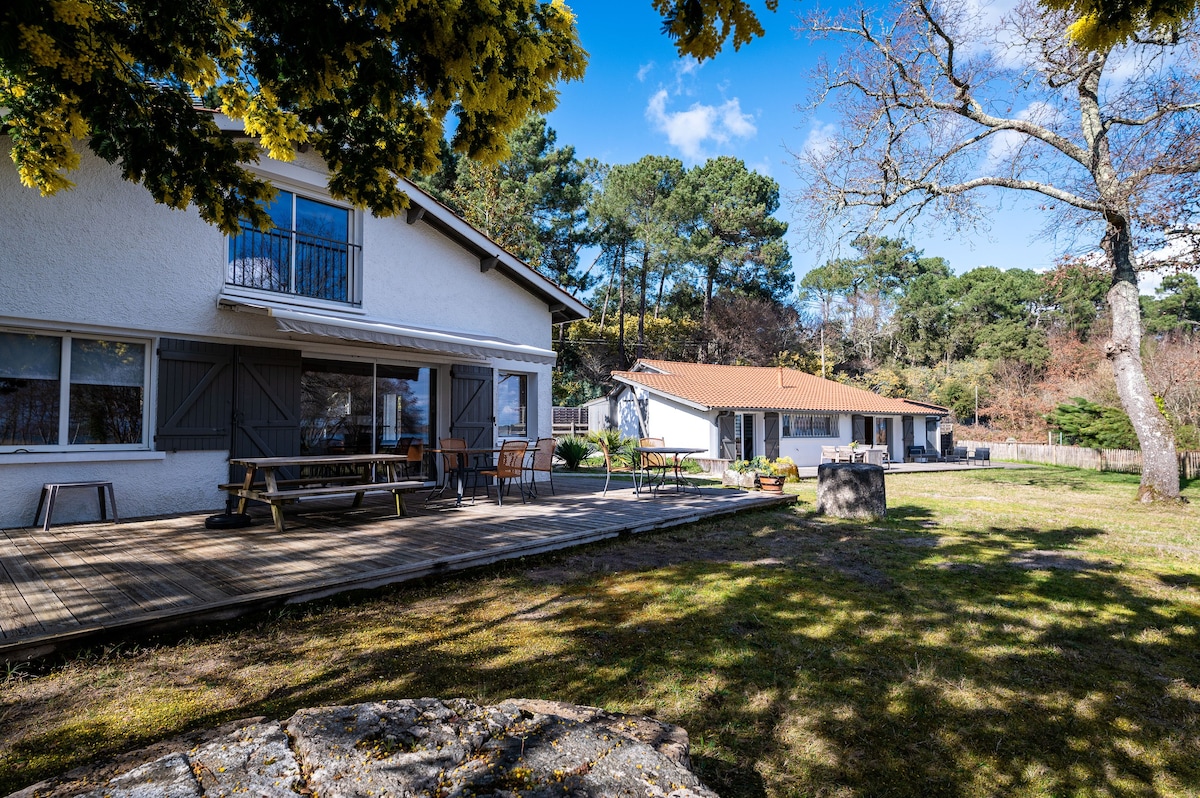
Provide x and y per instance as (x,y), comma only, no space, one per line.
(141,345)
(738,412)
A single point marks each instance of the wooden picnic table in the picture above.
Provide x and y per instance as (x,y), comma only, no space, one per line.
(276,492)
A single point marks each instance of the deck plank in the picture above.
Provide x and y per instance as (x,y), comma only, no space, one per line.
(97,578)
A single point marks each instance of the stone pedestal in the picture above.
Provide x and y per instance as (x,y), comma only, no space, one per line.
(851,490)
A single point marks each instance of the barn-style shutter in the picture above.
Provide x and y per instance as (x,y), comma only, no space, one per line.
(195,396)
(266,404)
(472,416)
(725,421)
(771,435)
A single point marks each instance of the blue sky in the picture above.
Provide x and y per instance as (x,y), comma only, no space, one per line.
(638,98)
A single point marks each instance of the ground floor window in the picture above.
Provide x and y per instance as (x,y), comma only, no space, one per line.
(364,408)
(512,405)
(807,425)
(71,391)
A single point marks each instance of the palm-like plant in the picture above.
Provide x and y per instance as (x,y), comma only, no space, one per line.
(573,450)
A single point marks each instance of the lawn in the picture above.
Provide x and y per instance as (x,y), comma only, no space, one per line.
(1005,632)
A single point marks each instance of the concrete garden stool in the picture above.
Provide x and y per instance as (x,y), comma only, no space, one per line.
(51,489)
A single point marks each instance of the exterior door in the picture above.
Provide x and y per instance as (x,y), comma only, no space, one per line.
(727,438)
(266,411)
(907,427)
(472,416)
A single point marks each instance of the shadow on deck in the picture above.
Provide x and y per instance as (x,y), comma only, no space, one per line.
(82,582)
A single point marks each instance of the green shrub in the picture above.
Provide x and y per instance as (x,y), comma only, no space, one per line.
(620,447)
(573,450)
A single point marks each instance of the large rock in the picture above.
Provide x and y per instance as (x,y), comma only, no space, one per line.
(851,490)
(421,747)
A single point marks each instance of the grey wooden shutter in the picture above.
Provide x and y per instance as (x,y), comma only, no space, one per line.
(195,396)
(771,434)
(266,404)
(472,416)
(725,433)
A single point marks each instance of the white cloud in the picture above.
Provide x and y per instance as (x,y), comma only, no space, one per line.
(1004,145)
(689,131)
(644,70)
(819,139)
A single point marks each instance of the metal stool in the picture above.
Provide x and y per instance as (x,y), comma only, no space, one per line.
(51,489)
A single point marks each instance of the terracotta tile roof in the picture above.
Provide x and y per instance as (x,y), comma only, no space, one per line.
(759,388)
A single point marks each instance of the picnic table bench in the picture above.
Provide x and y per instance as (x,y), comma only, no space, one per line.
(278,492)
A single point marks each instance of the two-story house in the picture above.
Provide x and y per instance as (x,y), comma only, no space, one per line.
(139,344)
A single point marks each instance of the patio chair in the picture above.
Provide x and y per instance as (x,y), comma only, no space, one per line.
(650,462)
(542,460)
(913,452)
(981,455)
(510,465)
(829,454)
(608,462)
(454,465)
(416,459)
(957,455)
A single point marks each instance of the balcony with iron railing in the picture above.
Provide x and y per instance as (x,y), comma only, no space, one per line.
(295,263)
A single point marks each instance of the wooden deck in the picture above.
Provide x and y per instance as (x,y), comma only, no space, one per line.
(83,582)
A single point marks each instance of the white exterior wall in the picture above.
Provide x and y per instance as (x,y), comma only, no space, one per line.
(807,451)
(680,425)
(104,258)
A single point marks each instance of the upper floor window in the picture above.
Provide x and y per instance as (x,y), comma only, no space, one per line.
(71,391)
(308,252)
(512,405)
(804,425)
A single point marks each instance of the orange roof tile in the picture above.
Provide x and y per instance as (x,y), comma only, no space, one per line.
(762,388)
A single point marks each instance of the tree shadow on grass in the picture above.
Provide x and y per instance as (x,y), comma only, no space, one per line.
(803,656)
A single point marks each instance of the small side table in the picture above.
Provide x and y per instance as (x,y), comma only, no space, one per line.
(50,491)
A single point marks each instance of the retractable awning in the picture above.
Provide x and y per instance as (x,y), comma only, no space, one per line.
(416,338)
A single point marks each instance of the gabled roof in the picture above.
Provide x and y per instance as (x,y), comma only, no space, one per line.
(761,388)
(425,208)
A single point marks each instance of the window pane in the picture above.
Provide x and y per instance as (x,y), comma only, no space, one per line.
(280,210)
(511,406)
(29,389)
(335,407)
(322,253)
(106,392)
(403,406)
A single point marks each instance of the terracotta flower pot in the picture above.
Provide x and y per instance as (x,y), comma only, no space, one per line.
(771,484)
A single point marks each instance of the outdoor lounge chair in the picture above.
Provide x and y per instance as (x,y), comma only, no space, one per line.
(651,462)
(981,455)
(510,465)
(542,460)
(829,454)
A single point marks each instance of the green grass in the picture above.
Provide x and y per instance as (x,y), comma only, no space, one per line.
(1017,633)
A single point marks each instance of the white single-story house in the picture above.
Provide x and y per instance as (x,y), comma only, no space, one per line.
(141,345)
(738,412)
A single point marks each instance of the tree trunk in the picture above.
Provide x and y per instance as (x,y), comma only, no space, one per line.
(622,361)
(641,344)
(1160,465)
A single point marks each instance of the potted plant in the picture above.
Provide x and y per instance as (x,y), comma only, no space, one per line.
(769,478)
(739,473)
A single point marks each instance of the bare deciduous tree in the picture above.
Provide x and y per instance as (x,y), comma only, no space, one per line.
(943,112)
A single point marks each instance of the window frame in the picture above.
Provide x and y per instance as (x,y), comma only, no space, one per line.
(788,427)
(524,390)
(65,340)
(354,247)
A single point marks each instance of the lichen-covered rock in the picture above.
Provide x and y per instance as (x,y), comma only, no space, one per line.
(424,747)
(851,490)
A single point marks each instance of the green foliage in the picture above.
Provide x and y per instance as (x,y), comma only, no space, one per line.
(1101,24)
(1175,306)
(573,450)
(619,446)
(368,86)
(700,27)
(533,202)
(1085,423)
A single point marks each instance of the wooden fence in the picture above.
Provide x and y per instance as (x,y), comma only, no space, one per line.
(1124,460)
(570,421)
